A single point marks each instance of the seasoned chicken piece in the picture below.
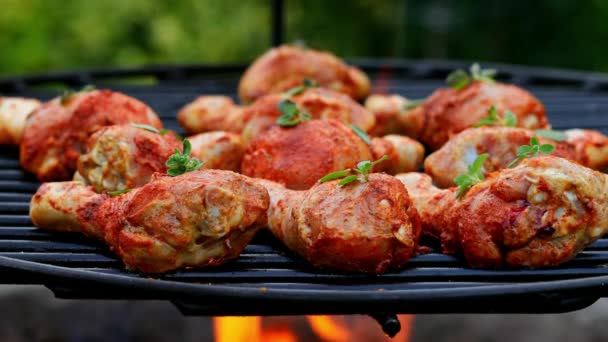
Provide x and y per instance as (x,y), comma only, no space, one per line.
(196,219)
(220,113)
(591,147)
(386,109)
(285,67)
(319,103)
(367,227)
(432,205)
(56,133)
(298,156)
(500,143)
(538,214)
(449,111)
(123,157)
(211,113)
(219,150)
(404,154)
(68,207)
(13,113)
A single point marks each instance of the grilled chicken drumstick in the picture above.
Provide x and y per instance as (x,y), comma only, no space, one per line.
(123,157)
(126,156)
(210,113)
(386,110)
(196,219)
(219,150)
(13,113)
(588,148)
(367,227)
(501,144)
(299,156)
(538,214)
(56,133)
(591,147)
(449,111)
(285,67)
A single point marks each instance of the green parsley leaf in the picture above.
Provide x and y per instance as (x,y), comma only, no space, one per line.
(524,149)
(546,148)
(288,108)
(163,131)
(458,79)
(363,169)
(69,94)
(310,83)
(335,175)
(474,175)
(291,114)
(484,75)
(530,151)
(118,192)
(361,133)
(493,119)
(363,166)
(510,119)
(146,127)
(347,179)
(552,135)
(306,84)
(294,91)
(180,162)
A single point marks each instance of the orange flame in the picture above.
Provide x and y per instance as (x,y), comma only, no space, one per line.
(328,329)
(325,328)
(279,336)
(230,329)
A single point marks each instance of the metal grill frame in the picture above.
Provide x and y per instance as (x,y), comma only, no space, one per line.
(301,290)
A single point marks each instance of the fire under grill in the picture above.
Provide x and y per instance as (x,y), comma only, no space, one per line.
(267,279)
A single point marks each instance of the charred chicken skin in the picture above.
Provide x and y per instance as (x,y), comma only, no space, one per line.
(538,214)
(196,219)
(366,227)
(285,67)
(13,113)
(449,111)
(220,113)
(500,143)
(299,156)
(56,134)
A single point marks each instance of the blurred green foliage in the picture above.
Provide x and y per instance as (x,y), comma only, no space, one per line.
(41,35)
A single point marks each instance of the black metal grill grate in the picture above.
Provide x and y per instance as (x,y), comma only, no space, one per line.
(266,279)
